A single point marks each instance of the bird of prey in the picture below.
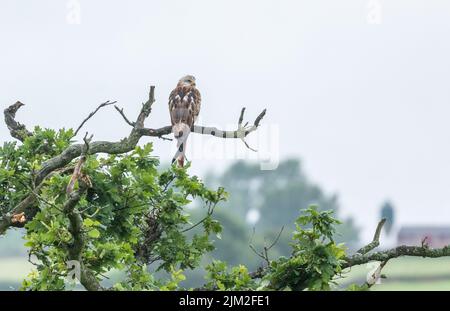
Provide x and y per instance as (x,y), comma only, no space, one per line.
(184,107)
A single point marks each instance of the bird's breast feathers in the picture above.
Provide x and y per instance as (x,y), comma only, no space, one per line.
(184,105)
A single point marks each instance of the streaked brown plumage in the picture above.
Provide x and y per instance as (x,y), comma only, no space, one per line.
(184,107)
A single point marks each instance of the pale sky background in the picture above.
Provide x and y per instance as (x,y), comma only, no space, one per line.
(366,106)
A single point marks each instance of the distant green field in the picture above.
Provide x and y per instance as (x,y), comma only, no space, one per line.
(402,274)
(408,273)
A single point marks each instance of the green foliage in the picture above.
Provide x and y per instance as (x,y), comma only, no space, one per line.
(134,219)
(128,199)
(219,278)
(18,163)
(315,259)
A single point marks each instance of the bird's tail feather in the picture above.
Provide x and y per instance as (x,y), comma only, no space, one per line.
(181,161)
(181,148)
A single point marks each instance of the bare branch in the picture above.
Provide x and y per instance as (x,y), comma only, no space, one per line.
(376,275)
(209,213)
(120,110)
(166,130)
(259,118)
(264,254)
(146,108)
(276,239)
(261,255)
(414,251)
(107,103)
(239,133)
(241,117)
(248,146)
(376,239)
(16,129)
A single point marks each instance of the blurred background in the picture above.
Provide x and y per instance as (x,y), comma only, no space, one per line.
(356,98)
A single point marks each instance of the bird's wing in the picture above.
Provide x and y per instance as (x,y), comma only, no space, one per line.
(196,101)
(173,103)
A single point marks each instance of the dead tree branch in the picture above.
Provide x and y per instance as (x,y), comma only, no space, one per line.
(376,239)
(399,251)
(120,110)
(107,103)
(240,132)
(376,275)
(17,130)
(264,254)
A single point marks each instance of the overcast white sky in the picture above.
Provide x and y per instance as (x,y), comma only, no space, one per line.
(366,106)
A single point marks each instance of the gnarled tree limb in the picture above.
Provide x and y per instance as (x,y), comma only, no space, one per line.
(17,130)
(75,249)
(399,251)
(375,241)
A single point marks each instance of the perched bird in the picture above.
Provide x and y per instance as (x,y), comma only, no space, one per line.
(184,107)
